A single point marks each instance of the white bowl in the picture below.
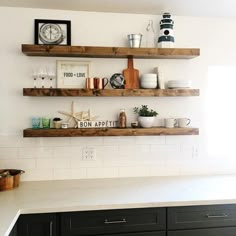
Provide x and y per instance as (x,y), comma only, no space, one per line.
(148,79)
(148,85)
(150,75)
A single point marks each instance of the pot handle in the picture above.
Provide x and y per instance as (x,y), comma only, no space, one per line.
(22,172)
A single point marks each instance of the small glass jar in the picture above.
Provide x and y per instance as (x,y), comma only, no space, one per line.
(64,125)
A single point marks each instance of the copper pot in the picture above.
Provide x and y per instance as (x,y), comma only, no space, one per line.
(9,178)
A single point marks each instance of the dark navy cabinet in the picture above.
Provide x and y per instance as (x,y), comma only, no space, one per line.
(37,225)
(14,231)
(212,220)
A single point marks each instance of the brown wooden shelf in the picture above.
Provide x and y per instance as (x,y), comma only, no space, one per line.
(37,92)
(108,132)
(108,52)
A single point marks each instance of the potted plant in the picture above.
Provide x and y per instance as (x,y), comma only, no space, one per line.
(57,122)
(146,116)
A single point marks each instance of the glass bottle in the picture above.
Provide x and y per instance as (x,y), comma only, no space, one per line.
(150,35)
(122,119)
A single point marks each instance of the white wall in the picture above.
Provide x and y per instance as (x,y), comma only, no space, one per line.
(60,158)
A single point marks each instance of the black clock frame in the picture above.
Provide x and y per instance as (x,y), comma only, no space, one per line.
(67,23)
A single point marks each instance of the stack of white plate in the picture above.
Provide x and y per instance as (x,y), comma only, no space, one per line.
(148,81)
(179,84)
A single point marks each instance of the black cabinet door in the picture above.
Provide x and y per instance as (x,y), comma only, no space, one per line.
(37,225)
(14,231)
(228,231)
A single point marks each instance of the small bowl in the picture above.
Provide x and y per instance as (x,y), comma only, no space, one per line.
(148,85)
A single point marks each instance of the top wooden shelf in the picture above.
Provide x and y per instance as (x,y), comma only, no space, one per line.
(109,52)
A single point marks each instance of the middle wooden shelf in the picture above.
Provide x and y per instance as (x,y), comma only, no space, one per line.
(61,92)
(74,132)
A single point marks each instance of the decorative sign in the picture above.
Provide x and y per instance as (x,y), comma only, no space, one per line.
(72,74)
(97,124)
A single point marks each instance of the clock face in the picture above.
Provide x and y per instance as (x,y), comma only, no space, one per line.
(50,33)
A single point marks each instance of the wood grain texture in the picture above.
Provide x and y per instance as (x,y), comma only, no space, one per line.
(108,132)
(59,92)
(108,52)
(131,75)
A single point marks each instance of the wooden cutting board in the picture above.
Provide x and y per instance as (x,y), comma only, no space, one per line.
(131,76)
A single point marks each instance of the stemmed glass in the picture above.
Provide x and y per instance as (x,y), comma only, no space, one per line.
(35,76)
(43,75)
(51,76)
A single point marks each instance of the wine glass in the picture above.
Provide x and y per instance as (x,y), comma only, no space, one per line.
(51,76)
(35,76)
(43,75)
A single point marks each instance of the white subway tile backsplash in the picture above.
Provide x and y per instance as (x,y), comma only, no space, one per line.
(150,140)
(9,141)
(68,152)
(37,174)
(55,142)
(102,172)
(133,171)
(19,164)
(8,153)
(165,151)
(29,142)
(86,141)
(79,173)
(28,152)
(182,139)
(119,140)
(56,163)
(79,163)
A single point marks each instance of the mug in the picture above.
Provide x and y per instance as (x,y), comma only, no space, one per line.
(183,122)
(170,123)
(100,83)
(89,83)
(96,83)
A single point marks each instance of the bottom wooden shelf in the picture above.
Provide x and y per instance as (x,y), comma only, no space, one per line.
(108,132)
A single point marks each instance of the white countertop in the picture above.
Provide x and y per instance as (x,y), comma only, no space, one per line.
(79,195)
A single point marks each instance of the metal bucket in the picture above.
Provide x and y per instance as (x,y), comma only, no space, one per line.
(135,40)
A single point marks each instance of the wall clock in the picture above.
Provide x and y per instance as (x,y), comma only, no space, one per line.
(52,32)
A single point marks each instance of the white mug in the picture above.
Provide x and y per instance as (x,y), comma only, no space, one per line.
(183,122)
(170,122)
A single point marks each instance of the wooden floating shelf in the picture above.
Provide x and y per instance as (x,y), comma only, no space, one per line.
(109,52)
(92,132)
(39,92)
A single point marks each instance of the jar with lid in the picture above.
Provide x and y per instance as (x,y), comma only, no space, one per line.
(122,119)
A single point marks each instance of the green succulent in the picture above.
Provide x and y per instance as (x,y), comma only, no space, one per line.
(144,111)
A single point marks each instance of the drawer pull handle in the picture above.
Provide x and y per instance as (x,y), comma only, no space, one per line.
(106,221)
(50,229)
(217,216)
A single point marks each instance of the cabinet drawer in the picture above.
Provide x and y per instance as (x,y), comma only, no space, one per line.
(231,231)
(201,216)
(113,221)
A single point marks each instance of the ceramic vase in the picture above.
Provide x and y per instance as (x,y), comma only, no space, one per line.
(146,121)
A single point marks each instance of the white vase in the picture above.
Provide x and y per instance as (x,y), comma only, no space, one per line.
(146,121)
